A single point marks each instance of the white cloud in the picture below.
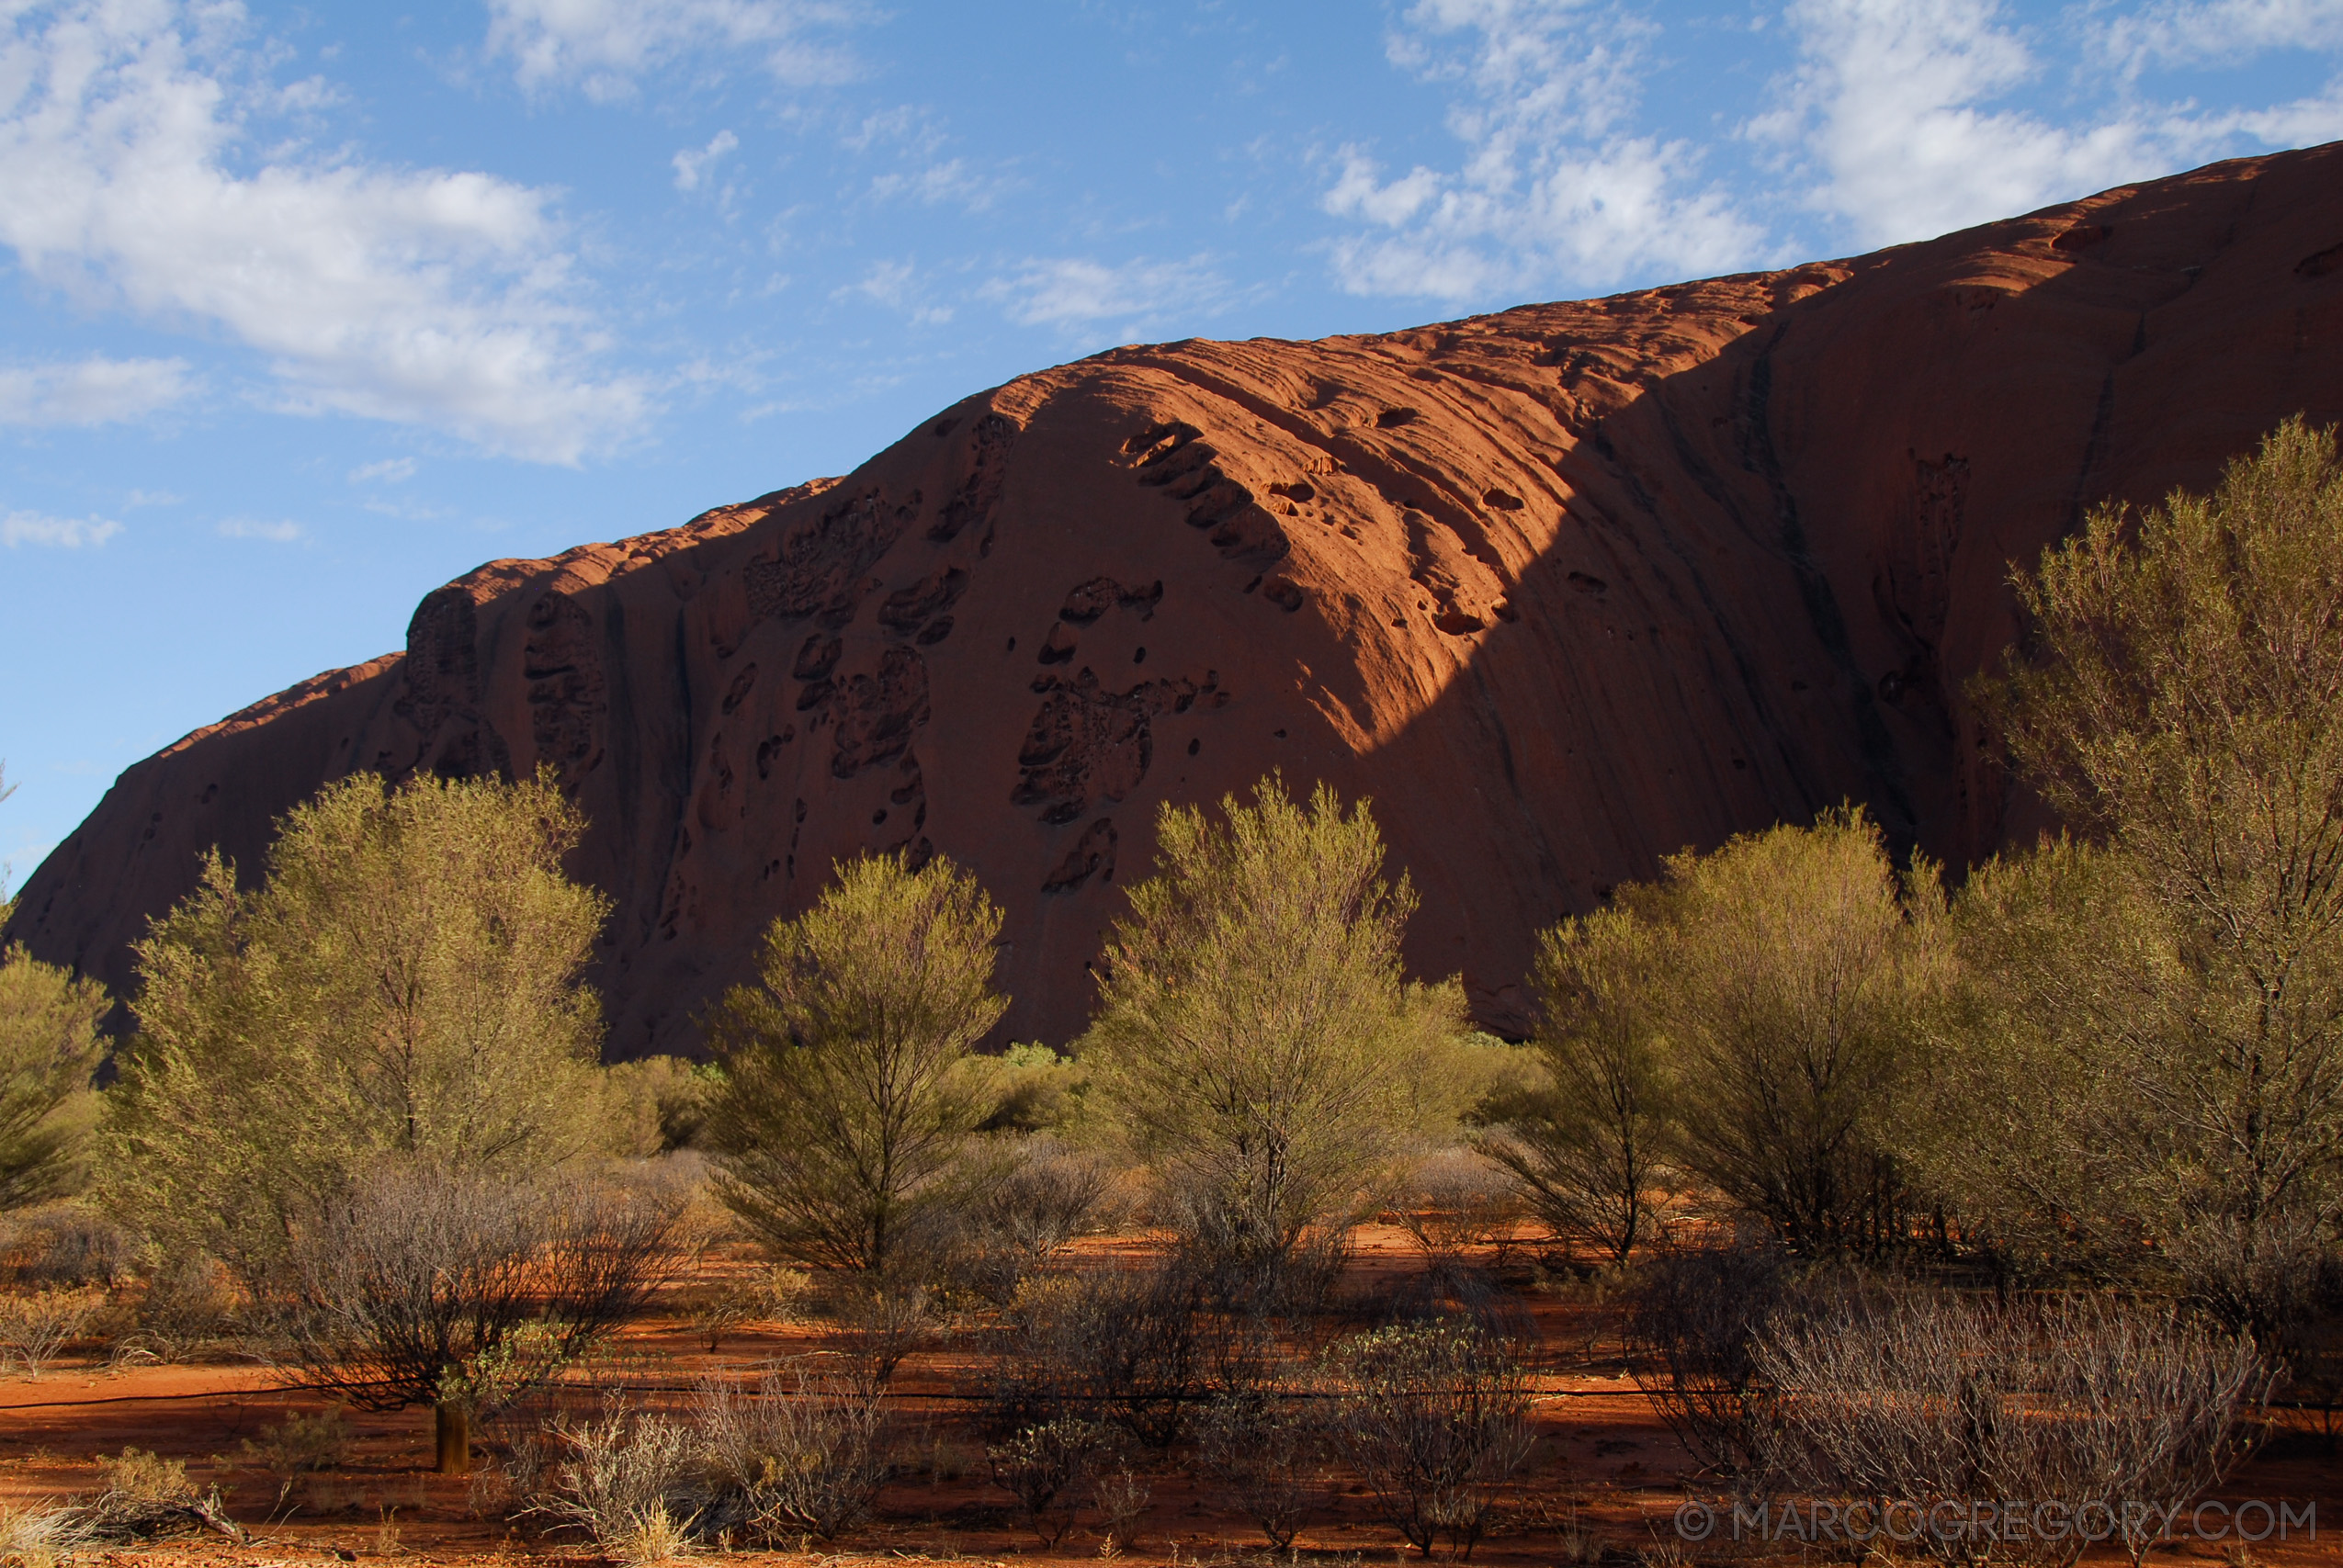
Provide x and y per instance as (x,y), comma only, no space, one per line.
(96,391)
(428,298)
(1555,187)
(59,532)
(1891,109)
(895,285)
(389,471)
(1075,293)
(952,182)
(602,45)
(692,166)
(279,533)
(2202,32)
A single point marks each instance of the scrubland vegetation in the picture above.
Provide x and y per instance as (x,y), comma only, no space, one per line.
(1878,1188)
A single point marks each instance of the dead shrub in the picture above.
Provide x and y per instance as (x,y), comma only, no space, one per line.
(66,1246)
(1433,1418)
(1027,1202)
(1458,1204)
(428,1286)
(617,1476)
(2079,1402)
(795,1454)
(147,1497)
(1691,1324)
(34,1328)
(1120,1346)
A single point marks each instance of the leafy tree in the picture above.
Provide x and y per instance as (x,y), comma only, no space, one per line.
(846,1095)
(48,1046)
(407,981)
(1792,971)
(1256,1041)
(1587,1146)
(2178,700)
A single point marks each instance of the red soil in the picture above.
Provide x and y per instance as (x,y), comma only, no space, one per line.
(1604,1463)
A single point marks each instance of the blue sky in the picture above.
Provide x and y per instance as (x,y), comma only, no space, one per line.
(306,309)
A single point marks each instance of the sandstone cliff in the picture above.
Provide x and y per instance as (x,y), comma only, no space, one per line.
(1563,589)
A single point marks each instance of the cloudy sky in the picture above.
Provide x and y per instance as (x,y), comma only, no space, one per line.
(306,309)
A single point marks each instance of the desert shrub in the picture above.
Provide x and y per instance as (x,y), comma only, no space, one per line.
(1121,1495)
(1456,1204)
(428,1287)
(186,1303)
(67,1244)
(36,1535)
(48,1046)
(2077,1402)
(1122,1347)
(1588,1146)
(1047,1466)
(799,1454)
(1259,1447)
(1023,1203)
(1257,1045)
(846,1095)
(765,1295)
(878,1319)
(37,1327)
(299,1445)
(1433,1418)
(1692,1324)
(406,984)
(625,1479)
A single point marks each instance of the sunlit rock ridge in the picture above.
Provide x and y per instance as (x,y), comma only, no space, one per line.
(1563,589)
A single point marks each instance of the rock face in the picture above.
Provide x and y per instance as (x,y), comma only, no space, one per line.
(1563,589)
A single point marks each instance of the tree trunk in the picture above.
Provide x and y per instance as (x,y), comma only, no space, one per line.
(455,1431)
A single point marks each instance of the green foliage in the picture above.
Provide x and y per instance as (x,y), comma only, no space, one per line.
(1587,1145)
(1256,1043)
(2156,1016)
(847,1093)
(48,1046)
(406,981)
(1747,1020)
(1794,971)
(1032,1088)
(657,1104)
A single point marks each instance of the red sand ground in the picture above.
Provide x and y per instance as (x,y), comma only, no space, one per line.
(1604,1463)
